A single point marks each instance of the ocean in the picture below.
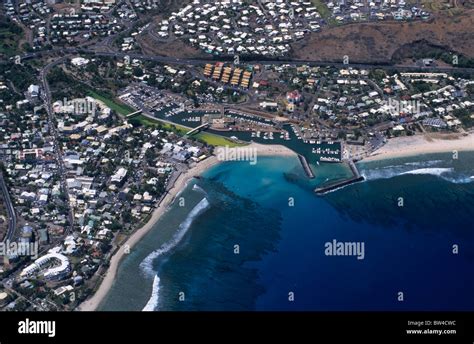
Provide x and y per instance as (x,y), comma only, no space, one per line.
(256,237)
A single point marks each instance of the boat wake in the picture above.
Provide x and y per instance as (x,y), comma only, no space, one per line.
(147,264)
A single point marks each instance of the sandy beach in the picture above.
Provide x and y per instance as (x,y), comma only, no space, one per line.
(92,303)
(423,144)
(265,150)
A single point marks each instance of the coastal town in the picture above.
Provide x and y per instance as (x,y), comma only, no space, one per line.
(97,137)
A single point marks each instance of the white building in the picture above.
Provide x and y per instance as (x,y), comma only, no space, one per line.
(79,61)
(119,175)
(33,90)
(52,265)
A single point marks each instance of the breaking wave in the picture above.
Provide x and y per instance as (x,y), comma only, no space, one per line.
(417,168)
(198,188)
(423,163)
(153,301)
(147,264)
(435,171)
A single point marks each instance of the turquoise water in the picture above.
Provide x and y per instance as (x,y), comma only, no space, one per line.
(252,237)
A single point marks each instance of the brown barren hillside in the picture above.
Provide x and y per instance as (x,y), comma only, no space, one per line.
(173,48)
(377,42)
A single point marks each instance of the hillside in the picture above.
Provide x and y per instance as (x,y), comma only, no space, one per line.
(379,41)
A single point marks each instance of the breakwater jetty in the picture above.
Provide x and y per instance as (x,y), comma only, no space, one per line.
(306,167)
(356,177)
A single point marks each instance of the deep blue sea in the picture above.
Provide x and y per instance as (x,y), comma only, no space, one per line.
(254,237)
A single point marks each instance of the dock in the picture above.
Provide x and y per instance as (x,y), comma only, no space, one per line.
(306,167)
(356,177)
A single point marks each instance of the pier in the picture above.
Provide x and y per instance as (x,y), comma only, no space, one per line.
(306,167)
(356,177)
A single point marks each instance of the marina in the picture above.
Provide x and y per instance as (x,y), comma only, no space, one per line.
(260,130)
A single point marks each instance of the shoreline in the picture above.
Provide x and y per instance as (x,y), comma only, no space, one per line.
(409,146)
(395,148)
(94,301)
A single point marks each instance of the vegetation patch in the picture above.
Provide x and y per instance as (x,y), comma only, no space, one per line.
(10,35)
(204,137)
(118,107)
(322,8)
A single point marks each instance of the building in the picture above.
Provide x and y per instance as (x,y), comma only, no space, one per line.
(33,90)
(294,97)
(119,176)
(208,70)
(79,61)
(26,233)
(435,123)
(62,290)
(33,154)
(217,71)
(52,266)
(269,105)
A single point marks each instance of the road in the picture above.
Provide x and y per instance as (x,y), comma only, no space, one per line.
(52,127)
(197,62)
(10,209)
(173,60)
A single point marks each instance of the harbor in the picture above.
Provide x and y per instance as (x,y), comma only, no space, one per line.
(250,128)
(356,177)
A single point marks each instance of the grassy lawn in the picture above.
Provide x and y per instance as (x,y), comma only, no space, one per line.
(216,140)
(117,106)
(208,138)
(148,122)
